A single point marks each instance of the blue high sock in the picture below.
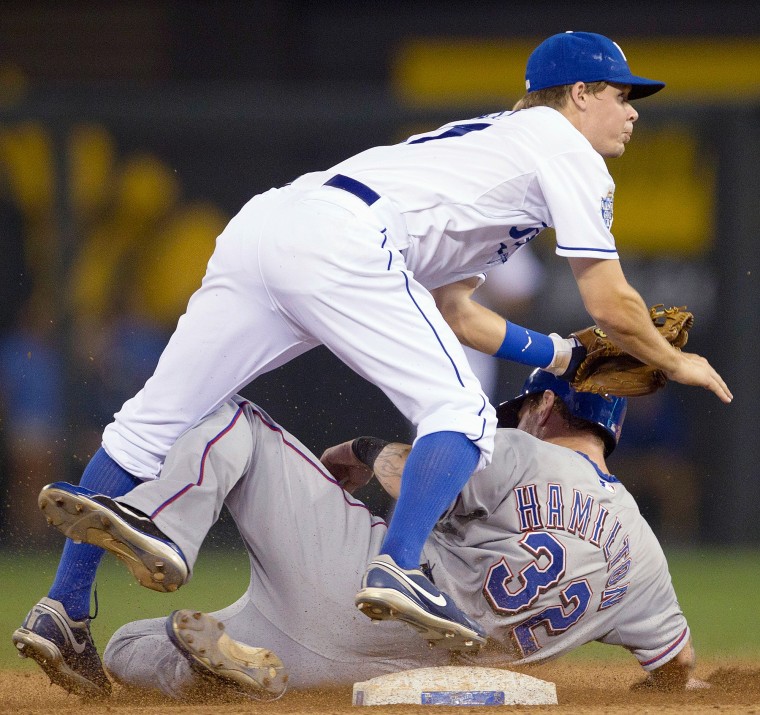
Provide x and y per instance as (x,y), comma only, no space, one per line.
(437,468)
(79,562)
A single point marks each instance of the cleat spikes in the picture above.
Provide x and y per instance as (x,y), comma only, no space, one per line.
(87,517)
(255,673)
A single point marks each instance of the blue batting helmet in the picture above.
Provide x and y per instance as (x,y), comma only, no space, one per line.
(605,412)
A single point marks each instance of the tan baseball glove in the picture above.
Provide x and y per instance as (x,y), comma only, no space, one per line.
(608,370)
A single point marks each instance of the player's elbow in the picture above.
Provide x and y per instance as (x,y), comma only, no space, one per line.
(459,319)
(676,673)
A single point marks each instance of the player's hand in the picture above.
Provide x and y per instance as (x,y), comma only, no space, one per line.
(669,684)
(343,464)
(693,369)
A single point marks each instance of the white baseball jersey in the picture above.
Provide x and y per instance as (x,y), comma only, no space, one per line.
(474,191)
(544,550)
(312,264)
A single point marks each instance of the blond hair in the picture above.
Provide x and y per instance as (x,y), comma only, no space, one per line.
(555,97)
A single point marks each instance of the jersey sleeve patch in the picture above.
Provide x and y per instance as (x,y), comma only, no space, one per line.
(606,208)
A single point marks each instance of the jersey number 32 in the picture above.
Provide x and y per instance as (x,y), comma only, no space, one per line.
(509,594)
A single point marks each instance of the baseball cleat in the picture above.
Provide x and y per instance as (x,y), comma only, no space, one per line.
(225,664)
(86,516)
(391,593)
(63,648)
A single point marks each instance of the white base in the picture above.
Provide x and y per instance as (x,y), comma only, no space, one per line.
(455,685)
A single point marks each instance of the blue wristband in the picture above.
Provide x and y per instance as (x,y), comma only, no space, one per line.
(526,346)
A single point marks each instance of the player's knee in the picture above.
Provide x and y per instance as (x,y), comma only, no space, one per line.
(114,651)
(478,426)
(121,647)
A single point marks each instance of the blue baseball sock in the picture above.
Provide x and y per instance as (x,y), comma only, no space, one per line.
(437,468)
(526,346)
(79,562)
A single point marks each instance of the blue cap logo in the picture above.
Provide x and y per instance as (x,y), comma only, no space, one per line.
(571,57)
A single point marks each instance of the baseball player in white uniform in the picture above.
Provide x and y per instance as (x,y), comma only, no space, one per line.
(545,547)
(377,259)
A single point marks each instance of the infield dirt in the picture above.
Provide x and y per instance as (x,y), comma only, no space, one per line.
(584,688)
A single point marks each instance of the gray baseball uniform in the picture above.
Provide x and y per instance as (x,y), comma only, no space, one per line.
(545,550)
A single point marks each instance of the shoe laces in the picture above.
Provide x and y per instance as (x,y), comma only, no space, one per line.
(95,597)
(427,569)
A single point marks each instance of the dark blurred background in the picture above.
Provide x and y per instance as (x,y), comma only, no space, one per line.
(131,132)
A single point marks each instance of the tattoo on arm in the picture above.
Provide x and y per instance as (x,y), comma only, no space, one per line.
(389,465)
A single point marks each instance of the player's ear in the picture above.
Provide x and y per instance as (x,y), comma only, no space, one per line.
(579,95)
(545,406)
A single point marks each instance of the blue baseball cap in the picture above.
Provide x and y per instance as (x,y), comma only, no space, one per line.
(571,57)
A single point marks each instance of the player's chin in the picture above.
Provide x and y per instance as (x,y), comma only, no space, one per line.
(616,150)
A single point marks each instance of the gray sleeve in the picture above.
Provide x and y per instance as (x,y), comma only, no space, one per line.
(652,625)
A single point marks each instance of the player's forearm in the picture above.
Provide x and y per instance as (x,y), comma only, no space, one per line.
(619,310)
(389,466)
(385,459)
(474,325)
(482,329)
(629,326)
(675,674)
